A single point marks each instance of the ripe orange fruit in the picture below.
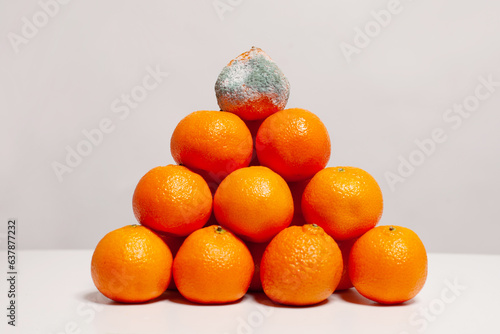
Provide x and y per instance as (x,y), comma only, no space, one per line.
(213,266)
(252,86)
(345,201)
(345,248)
(254,202)
(257,250)
(297,189)
(172,199)
(213,142)
(388,264)
(302,265)
(294,143)
(131,265)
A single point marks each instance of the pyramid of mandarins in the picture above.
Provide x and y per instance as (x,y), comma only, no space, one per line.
(251,203)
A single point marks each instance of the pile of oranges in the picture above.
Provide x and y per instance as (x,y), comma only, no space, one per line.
(251,205)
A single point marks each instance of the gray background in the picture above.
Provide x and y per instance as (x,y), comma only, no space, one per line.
(394,91)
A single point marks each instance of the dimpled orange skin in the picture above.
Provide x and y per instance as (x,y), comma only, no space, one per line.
(294,143)
(213,266)
(302,265)
(345,201)
(345,248)
(254,202)
(388,264)
(172,199)
(213,141)
(252,86)
(131,265)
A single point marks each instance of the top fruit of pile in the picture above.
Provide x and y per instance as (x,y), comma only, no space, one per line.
(252,86)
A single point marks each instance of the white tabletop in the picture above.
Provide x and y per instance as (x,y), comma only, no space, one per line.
(56,295)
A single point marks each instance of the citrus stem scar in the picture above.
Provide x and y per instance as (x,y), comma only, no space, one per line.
(219,229)
(391,228)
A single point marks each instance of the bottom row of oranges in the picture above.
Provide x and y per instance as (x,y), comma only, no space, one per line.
(301,265)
